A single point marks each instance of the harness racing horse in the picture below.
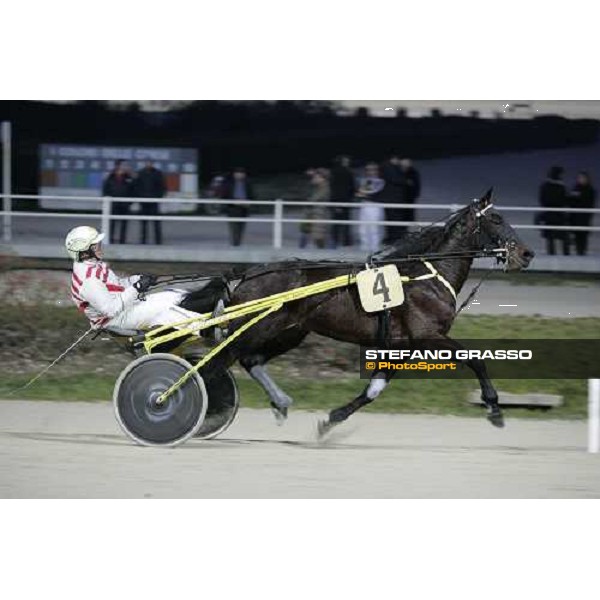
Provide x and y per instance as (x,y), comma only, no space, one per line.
(427,313)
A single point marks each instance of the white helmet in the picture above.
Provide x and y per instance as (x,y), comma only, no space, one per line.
(80,239)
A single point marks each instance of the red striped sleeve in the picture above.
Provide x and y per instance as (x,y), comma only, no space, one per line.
(77,280)
(88,273)
(111,287)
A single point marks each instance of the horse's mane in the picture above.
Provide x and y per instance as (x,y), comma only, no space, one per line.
(426,239)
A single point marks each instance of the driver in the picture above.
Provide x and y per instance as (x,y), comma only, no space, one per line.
(112,302)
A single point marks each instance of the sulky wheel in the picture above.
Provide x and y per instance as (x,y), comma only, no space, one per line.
(223,403)
(166,424)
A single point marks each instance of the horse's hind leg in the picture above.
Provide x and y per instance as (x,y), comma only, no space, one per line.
(254,363)
(376,385)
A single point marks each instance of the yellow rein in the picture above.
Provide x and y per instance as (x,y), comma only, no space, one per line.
(204,321)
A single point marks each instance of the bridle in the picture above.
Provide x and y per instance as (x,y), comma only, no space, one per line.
(501,254)
(482,250)
(481,213)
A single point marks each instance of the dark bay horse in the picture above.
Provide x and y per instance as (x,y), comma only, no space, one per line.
(427,313)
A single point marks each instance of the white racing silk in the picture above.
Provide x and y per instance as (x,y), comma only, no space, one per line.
(110,301)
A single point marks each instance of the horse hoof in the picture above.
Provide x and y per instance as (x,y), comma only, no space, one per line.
(495,417)
(280,412)
(323,428)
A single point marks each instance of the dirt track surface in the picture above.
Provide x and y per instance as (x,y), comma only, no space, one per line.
(76,450)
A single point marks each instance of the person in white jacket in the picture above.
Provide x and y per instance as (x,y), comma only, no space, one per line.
(369,188)
(112,302)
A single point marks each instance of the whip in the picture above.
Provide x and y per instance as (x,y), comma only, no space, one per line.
(79,340)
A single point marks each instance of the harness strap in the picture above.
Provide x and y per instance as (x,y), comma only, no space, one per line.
(383,329)
(433,274)
(203,361)
(440,278)
(482,212)
(474,290)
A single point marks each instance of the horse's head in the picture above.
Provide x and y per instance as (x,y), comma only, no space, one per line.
(494,232)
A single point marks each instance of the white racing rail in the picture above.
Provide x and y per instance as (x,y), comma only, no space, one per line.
(277,218)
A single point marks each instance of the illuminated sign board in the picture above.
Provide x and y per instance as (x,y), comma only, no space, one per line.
(73,170)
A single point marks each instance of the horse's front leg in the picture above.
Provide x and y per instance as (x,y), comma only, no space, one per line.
(489,395)
(379,381)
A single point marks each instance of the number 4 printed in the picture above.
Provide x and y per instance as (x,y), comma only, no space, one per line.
(380,287)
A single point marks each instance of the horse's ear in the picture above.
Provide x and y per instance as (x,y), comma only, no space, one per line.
(487,197)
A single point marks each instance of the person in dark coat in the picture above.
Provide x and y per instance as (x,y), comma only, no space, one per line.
(119,184)
(412,187)
(393,193)
(583,195)
(150,183)
(342,189)
(237,187)
(320,193)
(552,194)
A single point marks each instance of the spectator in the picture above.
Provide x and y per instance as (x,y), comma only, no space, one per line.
(343,189)
(316,232)
(215,187)
(552,194)
(150,183)
(213,190)
(369,192)
(119,184)
(583,195)
(393,193)
(412,187)
(237,187)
